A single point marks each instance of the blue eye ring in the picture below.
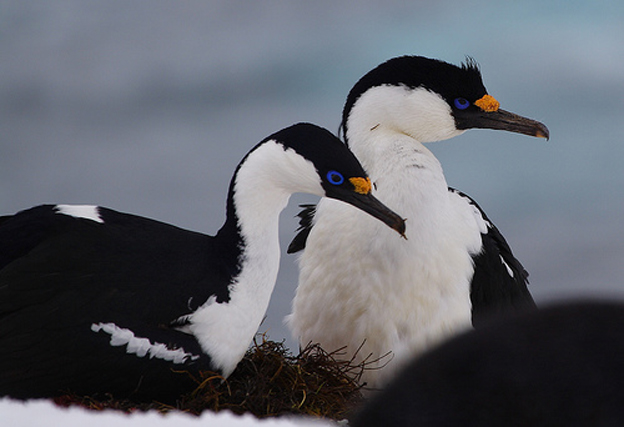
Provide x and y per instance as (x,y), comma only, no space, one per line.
(335,177)
(461,103)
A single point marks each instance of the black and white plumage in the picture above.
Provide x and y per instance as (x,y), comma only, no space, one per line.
(376,295)
(96,301)
(558,366)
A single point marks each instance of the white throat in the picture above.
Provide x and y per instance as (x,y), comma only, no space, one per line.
(264,183)
(419,113)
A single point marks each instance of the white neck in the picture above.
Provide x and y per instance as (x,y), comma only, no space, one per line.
(262,187)
(386,129)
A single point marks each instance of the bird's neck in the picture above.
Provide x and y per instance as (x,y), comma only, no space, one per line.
(256,210)
(260,189)
(395,159)
(258,192)
(257,196)
(409,179)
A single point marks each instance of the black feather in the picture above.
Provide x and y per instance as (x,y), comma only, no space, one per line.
(493,291)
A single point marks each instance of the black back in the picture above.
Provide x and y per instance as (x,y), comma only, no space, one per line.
(62,274)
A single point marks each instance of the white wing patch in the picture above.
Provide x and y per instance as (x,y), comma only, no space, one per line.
(509,270)
(142,346)
(483,224)
(80,211)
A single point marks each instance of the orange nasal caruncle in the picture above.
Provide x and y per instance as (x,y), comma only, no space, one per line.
(362,185)
(487,103)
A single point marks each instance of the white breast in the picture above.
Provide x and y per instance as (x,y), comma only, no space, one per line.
(360,284)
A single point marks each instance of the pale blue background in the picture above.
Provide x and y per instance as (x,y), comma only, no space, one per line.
(147,107)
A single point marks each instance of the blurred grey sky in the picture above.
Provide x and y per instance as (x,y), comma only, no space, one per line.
(147,107)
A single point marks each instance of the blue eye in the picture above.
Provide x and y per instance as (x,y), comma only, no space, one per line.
(335,178)
(461,103)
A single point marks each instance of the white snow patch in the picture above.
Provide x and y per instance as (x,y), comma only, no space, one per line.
(36,413)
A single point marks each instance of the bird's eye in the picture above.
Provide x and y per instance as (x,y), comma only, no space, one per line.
(335,178)
(461,103)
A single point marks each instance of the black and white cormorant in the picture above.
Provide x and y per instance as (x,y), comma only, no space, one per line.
(96,301)
(557,366)
(375,294)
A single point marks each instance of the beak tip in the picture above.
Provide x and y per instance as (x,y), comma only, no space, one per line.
(400,228)
(543,132)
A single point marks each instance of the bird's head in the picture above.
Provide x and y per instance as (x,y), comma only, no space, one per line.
(315,161)
(429,100)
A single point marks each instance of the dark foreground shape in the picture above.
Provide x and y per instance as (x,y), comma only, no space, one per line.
(560,366)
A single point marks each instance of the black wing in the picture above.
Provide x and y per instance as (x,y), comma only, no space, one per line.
(60,276)
(499,284)
(306,218)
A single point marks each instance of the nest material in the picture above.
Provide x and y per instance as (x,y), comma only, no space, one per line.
(269,381)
